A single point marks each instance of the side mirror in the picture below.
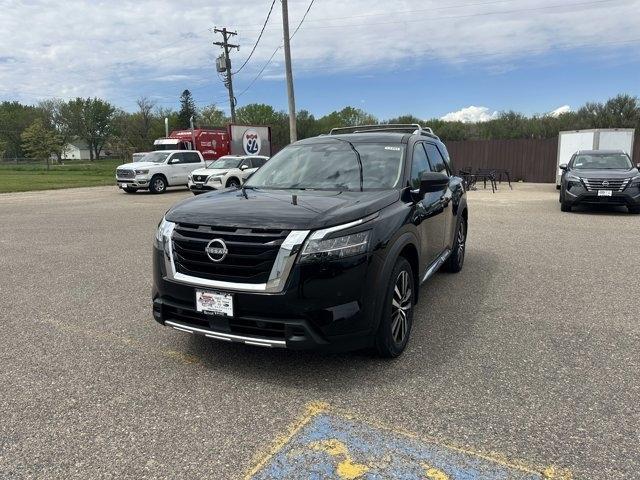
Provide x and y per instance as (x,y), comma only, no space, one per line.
(433,182)
(174,160)
(244,167)
(638,166)
(563,166)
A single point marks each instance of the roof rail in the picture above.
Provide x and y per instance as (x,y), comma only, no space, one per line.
(412,128)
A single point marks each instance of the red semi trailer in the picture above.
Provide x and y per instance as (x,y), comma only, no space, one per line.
(213,143)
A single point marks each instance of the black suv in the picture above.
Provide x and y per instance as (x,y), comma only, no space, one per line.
(323,247)
(600,176)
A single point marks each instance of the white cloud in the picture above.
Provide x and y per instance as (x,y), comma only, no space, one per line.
(559,111)
(127,48)
(470,114)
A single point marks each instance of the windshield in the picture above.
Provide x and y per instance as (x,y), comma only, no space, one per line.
(604,161)
(156,157)
(225,162)
(139,157)
(332,166)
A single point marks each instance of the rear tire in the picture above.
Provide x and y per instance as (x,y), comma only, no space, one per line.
(635,210)
(158,184)
(456,260)
(397,313)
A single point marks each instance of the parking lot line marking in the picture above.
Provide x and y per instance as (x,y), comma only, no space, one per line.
(330,443)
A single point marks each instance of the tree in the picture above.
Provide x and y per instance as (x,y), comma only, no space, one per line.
(212,116)
(51,111)
(40,142)
(142,122)
(187,109)
(14,118)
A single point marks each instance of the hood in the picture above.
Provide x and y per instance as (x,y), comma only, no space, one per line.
(211,171)
(135,165)
(280,209)
(605,173)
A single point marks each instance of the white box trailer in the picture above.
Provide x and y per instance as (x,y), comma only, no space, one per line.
(596,139)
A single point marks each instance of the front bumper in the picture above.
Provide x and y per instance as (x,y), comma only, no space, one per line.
(629,197)
(325,307)
(203,186)
(137,182)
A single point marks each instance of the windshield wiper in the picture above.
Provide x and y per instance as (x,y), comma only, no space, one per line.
(358,157)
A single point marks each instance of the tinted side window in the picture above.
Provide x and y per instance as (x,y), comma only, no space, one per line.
(176,158)
(437,161)
(258,162)
(190,157)
(419,165)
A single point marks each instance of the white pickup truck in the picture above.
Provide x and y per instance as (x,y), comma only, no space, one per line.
(159,170)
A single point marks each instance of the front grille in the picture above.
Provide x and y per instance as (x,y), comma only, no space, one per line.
(123,173)
(614,184)
(251,252)
(200,178)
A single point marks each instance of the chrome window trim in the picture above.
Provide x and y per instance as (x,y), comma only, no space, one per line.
(277,278)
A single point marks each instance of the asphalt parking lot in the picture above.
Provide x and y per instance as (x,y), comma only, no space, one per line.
(528,360)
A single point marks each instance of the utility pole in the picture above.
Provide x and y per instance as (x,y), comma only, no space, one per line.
(293,131)
(226,34)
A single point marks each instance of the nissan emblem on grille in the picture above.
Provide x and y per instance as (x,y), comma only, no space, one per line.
(216,250)
(605,183)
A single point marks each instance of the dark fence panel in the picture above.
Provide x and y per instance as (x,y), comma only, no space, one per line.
(528,160)
(531,160)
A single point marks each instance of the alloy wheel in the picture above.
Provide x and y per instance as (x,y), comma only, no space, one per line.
(460,240)
(400,307)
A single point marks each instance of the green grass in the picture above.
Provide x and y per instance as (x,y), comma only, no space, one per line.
(23,178)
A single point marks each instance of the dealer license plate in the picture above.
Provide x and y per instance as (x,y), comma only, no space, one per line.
(605,193)
(214,303)
(122,185)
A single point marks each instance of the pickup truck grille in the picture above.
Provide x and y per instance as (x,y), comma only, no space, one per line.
(250,257)
(614,184)
(124,173)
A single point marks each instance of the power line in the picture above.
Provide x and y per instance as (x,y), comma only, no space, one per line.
(257,41)
(302,21)
(276,51)
(470,15)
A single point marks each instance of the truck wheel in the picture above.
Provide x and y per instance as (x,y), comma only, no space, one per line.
(397,313)
(233,183)
(158,184)
(565,206)
(456,259)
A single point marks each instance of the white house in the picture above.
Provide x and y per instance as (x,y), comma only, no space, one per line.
(76,149)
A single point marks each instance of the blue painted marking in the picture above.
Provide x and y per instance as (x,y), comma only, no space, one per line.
(384,453)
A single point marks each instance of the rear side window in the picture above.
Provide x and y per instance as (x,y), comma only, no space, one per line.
(419,165)
(436,158)
(190,157)
(258,162)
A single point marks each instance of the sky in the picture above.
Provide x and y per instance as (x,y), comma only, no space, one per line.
(459,60)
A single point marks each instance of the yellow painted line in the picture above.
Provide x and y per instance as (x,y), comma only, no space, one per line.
(433,473)
(312,409)
(315,408)
(347,469)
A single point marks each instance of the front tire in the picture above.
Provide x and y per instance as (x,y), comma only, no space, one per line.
(233,183)
(456,260)
(397,313)
(158,184)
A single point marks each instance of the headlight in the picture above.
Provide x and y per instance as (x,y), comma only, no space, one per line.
(635,181)
(142,172)
(316,249)
(573,178)
(164,231)
(215,179)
